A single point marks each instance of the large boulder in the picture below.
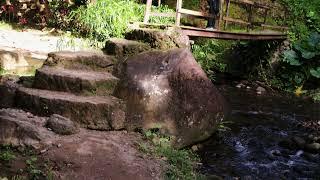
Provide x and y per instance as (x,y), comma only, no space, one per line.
(11,59)
(169,90)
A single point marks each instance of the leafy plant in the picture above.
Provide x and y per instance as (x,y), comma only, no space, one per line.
(209,54)
(181,162)
(106,18)
(6,154)
(33,171)
(301,62)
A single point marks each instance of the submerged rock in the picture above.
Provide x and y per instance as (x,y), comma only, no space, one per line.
(169,90)
(314,147)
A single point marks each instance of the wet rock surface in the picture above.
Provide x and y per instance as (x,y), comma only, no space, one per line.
(169,90)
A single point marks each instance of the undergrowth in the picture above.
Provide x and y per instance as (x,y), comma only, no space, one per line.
(210,55)
(181,163)
(110,18)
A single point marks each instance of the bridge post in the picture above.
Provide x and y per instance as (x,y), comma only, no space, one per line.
(148,11)
(227,14)
(219,17)
(178,12)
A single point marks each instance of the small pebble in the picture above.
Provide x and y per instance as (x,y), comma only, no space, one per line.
(59,145)
(194,148)
(43,151)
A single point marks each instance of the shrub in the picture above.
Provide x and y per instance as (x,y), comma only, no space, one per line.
(106,18)
(210,54)
(301,63)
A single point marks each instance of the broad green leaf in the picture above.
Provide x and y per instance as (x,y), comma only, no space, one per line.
(315,72)
(292,58)
(308,55)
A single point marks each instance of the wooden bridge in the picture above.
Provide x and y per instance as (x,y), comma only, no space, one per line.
(223,20)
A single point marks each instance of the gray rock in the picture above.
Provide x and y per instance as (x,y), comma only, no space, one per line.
(123,47)
(299,141)
(313,148)
(62,125)
(8,87)
(160,39)
(18,128)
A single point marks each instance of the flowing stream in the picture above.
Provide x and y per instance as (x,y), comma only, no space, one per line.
(259,124)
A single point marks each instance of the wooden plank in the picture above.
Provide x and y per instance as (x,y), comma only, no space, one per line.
(235,20)
(248,2)
(147,12)
(178,13)
(274,27)
(220,14)
(162,14)
(195,13)
(250,18)
(233,36)
(227,14)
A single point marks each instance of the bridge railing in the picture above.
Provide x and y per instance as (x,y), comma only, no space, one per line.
(223,16)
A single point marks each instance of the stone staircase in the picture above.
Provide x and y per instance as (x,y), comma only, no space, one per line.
(76,85)
(80,85)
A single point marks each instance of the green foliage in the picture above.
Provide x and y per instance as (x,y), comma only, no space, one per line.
(110,18)
(6,154)
(162,20)
(106,18)
(181,162)
(301,63)
(304,17)
(210,54)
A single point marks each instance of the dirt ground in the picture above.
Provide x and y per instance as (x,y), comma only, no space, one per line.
(87,155)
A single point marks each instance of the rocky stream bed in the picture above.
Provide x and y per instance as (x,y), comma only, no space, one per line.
(271,136)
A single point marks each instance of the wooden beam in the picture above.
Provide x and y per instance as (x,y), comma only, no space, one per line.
(163,14)
(232,36)
(195,13)
(147,12)
(274,27)
(178,13)
(248,2)
(228,19)
(227,14)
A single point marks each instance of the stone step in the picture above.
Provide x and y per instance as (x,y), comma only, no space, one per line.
(81,60)
(93,112)
(123,47)
(75,81)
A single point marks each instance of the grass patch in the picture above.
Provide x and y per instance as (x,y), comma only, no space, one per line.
(5,26)
(181,162)
(34,167)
